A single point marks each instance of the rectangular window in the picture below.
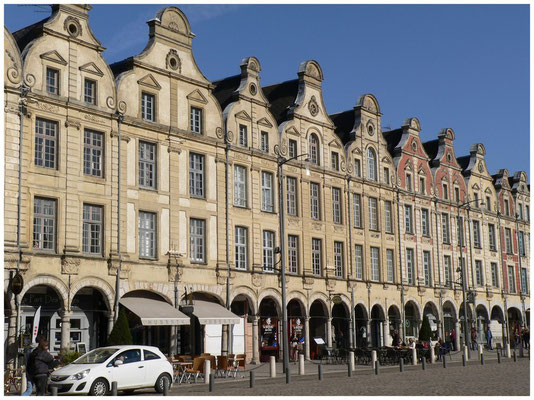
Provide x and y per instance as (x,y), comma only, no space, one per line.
(511,279)
(240,186)
(410,267)
(147,234)
(422,185)
(390,265)
(520,211)
(494,275)
(336,205)
(316,257)
(46,133)
(243,136)
(408,219)
(508,238)
(375,264)
(357,168)
(457,194)
(388,219)
(93,152)
(147,165)
(44,224)
(196,120)
(445,191)
(425,222)
(476,234)
(147,106)
(386,175)
(357,200)
(314,200)
(89,91)
(521,244)
(52,81)
(338,259)
(241,248)
(293,254)
(264,144)
(267,197)
(292,148)
(506,208)
(409,187)
(291,195)
(475,202)
(447,271)
(335,161)
(524,284)
(358,252)
(527,213)
(460,230)
(92,229)
(373,213)
(445,228)
(427,268)
(488,203)
(197,235)
(479,273)
(196,175)
(492,242)
(268,251)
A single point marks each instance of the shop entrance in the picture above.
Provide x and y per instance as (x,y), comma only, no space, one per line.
(269,329)
(377,318)
(318,326)
(360,316)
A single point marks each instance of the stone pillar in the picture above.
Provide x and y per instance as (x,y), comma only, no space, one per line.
(457,329)
(368,337)
(65,330)
(255,337)
(224,340)
(307,337)
(351,334)
(329,332)
(386,339)
(173,340)
(110,322)
(12,344)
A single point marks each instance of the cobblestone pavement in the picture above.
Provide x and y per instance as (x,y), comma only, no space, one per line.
(505,379)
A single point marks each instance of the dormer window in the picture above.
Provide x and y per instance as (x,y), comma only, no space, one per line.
(445,191)
(371,164)
(421,185)
(506,208)
(357,168)
(335,161)
(314,149)
(409,187)
(243,136)
(457,194)
(147,106)
(476,199)
(89,91)
(196,120)
(52,81)
(488,203)
(264,142)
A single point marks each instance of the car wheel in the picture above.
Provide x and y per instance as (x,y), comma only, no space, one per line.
(163,379)
(99,388)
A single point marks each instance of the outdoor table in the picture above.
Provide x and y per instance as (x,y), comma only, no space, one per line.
(181,366)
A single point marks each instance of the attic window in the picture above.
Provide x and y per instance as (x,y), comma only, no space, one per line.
(73,29)
(253,89)
(72,26)
(370,130)
(449,157)
(173,63)
(414,145)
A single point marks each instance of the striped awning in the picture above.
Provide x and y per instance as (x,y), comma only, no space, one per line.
(154,312)
(209,313)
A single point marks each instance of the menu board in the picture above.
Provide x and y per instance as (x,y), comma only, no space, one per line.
(269,328)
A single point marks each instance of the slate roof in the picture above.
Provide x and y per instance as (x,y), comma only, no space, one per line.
(393,138)
(224,89)
(431,148)
(281,96)
(343,124)
(120,66)
(26,35)
(463,162)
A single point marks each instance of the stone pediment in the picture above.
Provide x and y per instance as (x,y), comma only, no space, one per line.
(292,131)
(265,122)
(334,143)
(195,95)
(92,69)
(243,115)
(149,81)
(54,56)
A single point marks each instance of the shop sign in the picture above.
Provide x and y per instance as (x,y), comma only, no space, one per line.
(17,283)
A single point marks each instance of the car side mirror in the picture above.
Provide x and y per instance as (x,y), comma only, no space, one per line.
(117,363)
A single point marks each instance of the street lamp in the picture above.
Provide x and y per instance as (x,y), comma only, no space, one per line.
(281,161)
(462,267)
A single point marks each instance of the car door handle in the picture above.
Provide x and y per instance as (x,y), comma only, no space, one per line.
(142,366)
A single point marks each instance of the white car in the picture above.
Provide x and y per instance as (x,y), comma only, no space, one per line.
(132,367)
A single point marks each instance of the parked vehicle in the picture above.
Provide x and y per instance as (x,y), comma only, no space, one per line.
(132,367)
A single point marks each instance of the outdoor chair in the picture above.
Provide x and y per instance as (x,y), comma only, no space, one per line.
(498,347)
(240,363)
(196,370)
(223,368)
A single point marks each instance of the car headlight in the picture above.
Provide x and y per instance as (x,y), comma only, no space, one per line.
(81,375)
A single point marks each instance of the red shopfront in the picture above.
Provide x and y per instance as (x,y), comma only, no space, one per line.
(269,343)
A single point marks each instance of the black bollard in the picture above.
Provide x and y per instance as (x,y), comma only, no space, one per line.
(252,376)
(498,357)
(114,388)
(401,364)
(424,363)
(288,376)
(349,369)
(377,367)
(212,381)
(320,372)
(165,387)
(444,361)
(463,360)
(482,359)
(53,389)
(515,356)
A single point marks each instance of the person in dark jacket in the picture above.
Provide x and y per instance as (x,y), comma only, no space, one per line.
(39,363)
(396,338)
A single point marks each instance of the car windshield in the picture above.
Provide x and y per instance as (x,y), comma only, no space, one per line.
(96,356)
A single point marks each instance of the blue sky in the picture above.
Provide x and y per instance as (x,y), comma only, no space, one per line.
(460,66)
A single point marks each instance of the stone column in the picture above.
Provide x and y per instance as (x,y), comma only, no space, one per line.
(255,344)
(329,332)
(351,334)
(173,340)
(110,321)
(385,333)
(457,329)
(224,340)
(307,337)
(65,330)
(368,337)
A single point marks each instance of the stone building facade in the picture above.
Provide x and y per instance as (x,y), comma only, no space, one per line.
(146,171)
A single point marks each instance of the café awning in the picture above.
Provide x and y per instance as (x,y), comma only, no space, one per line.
(154,312)
(209,313)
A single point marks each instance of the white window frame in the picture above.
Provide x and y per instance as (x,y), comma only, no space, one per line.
(375,264)
(267,192)
(148,226)
(197,175)
(268,251)
(293,254)
(373,213)
(92,229)
(427,268)
(371,164)
(243,136)
(358,264)
(240,186)
(316,257)
(336,205)
(315,203)
(390,264)
(388,216)
(148,106)
(408,218)
(425,222)
(410,267)
(291,189)
(195,119)
(357,209)
(338,259)
(147,165)
(197,240)
(241,248)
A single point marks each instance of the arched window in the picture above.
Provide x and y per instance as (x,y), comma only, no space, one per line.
(314,149)
(371,164)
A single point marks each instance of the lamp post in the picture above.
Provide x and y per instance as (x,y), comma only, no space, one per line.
(281,161)
(462,268)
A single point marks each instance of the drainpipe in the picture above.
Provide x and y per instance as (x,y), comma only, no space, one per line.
(440,312)
(503,293)
(349,225)
(400,265)
(224,350)
(120,117)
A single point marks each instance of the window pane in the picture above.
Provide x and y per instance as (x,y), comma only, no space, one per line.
(268,251)
(358,251)
(196,175)
(147,234)
(293,251)
(44,224)
(147,165)
(338,259)
(316,257)
(336,205)
(92,229)
(357,199)
(291,195)
(240,186)
(197,240)
(314,199)
(375,264)
(267,191)
(241,247)
(45,143)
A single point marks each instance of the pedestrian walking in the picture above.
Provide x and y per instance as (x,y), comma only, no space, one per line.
(474,343)
(363,332)
(40,362)
(396,338)
(525,336)
(489,336)
(453,339)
